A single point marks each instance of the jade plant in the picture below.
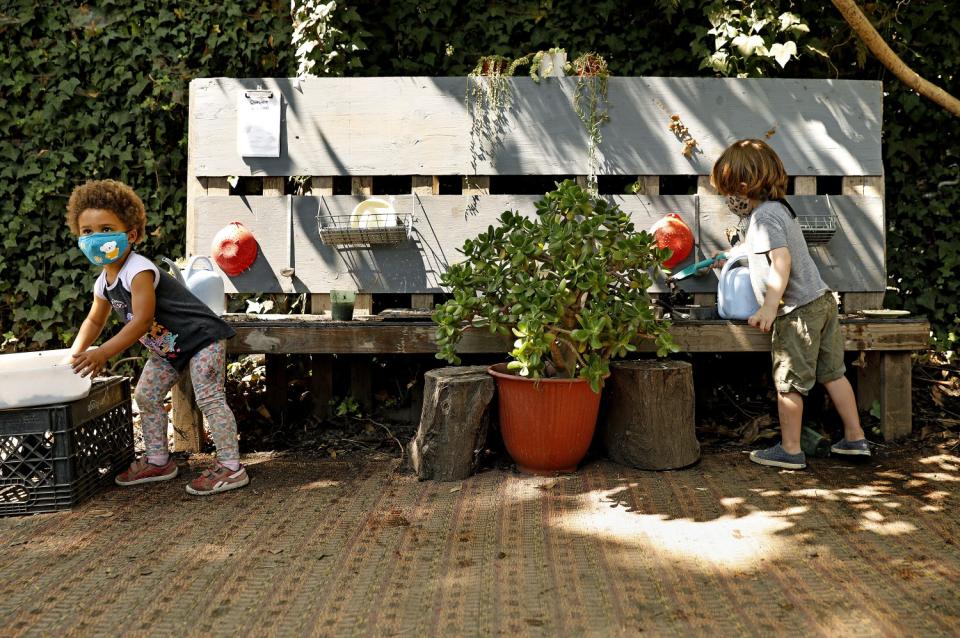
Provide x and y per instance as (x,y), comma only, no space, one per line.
(570,285)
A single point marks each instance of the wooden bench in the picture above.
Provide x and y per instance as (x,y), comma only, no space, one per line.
(411,137)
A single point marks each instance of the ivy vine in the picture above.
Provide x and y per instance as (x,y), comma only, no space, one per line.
(93,90)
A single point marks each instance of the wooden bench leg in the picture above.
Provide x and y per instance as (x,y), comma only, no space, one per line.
(896,407)
(361,386)
(885,377)
(187,418)
(321,384)
(853,302)
(276,395)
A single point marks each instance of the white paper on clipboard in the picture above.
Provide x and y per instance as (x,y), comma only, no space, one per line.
(258,124)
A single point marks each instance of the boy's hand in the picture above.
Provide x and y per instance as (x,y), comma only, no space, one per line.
(89,363)
(763,319)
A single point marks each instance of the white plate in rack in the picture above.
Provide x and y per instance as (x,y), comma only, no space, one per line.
(373,213)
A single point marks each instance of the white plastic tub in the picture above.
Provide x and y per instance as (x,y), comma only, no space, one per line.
(39,378)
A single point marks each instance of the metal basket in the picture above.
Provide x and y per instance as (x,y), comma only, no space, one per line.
(818,229)
(340,230)
(341,233)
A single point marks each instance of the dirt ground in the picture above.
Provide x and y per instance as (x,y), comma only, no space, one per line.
(361,548)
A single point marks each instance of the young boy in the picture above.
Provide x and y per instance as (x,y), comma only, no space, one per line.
(797,305)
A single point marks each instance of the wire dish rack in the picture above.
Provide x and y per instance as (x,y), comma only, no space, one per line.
(818,229)
(374,228)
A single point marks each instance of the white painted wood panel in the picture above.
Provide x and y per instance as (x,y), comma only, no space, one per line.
(852,261)
(421,126)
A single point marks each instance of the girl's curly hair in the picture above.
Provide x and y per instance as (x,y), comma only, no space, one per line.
(110,195)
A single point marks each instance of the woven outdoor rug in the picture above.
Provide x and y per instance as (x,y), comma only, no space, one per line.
(326,548)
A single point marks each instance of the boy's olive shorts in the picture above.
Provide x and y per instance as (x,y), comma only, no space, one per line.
(807,346)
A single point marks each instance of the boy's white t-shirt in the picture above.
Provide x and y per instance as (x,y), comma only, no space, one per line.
(134,265)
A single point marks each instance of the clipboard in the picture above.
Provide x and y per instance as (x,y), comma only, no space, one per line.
(258,123)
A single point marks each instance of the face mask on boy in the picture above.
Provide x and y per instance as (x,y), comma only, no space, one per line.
(103,248)
(738,205)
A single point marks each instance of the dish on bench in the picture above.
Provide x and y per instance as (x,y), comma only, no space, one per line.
(884,312)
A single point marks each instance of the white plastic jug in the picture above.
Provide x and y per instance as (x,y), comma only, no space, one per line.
(735,296)
(205,284)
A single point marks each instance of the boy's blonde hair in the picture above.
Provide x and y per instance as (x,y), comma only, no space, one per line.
(750,168)
(110,195)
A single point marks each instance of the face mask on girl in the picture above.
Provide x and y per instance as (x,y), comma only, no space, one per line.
(738,205)
(103,248)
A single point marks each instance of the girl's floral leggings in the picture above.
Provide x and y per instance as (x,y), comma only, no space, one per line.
(206,372)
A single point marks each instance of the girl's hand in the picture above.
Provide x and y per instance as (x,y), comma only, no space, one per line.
(763,319)
(89,363)
(717,263)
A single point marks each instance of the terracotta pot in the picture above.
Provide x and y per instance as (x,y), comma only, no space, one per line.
(547,424)
(493,67)
(591,67)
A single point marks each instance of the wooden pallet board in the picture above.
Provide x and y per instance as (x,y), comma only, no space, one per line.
(311,334)
(344,127)
(421,126)
(852,261)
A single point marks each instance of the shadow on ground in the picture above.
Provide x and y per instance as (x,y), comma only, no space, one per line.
(331,548)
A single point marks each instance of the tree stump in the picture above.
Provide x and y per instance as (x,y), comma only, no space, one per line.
(649,421)
(453,422)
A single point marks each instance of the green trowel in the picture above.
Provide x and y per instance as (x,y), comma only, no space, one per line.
(693,268)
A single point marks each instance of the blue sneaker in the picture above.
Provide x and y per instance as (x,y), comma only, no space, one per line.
(776,456)
(851,448)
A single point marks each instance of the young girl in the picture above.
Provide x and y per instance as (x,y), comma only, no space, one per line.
(797,305)
(177,328)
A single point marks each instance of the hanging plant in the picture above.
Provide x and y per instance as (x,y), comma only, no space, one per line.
(488,98)
(491,89)
(533,59)
(591,106)
(492,66)
(543,64)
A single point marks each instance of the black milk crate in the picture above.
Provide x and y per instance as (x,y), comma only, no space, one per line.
(54,456)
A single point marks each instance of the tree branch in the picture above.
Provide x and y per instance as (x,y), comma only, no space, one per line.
(875,42)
